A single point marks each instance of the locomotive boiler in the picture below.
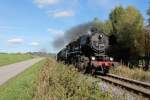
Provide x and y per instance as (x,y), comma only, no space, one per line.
(88,53)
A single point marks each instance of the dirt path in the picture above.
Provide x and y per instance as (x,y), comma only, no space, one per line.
(9,71)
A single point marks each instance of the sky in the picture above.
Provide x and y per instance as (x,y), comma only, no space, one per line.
(33,25)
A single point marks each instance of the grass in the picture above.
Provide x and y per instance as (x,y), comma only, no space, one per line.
(21,87)
(60,82)
(13,58)
(136,73)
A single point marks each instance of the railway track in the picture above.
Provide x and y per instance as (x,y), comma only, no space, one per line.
(137,87)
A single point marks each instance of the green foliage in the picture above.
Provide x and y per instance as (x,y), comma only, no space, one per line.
(127,24)
(105,27)
(22,86)
(13,58)
(127,27)
(148,13)
(61,82)
(117,19)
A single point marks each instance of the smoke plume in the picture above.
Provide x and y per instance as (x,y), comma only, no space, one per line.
(71,35)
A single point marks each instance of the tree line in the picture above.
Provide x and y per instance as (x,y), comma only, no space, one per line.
(129,38)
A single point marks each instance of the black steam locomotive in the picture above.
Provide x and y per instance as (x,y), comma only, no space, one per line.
(88,53)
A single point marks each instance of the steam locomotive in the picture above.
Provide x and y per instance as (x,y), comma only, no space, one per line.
(88,53)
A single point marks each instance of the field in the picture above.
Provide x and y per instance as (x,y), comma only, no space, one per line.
(136,73)
(13,58)
(21,87)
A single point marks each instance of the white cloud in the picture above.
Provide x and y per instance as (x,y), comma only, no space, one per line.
(16,41)
(42,3)
(64,13)
(34,43)
(55,32)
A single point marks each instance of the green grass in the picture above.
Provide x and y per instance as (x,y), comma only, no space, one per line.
(13,58)
(22,86)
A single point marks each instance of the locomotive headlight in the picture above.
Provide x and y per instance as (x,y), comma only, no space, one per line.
(111,59)
(93,58)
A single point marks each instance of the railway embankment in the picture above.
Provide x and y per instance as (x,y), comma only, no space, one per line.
(59,81)
(135,73)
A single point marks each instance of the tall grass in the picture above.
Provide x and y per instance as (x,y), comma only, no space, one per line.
(60,82)
(137,74)
(12,58)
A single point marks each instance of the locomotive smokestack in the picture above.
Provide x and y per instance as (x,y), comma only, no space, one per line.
(94,30)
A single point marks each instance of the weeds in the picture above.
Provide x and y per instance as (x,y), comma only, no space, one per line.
(137,74)
(60,82)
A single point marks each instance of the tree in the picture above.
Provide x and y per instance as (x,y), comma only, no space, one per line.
(105,27)
(146,42)
(127,27)
(97,23)
(148,13)
(117,19)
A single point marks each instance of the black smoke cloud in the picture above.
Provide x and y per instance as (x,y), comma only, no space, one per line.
(71,34)
(59,43)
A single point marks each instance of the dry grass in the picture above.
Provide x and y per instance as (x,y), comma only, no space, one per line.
(60,82)
(137,74)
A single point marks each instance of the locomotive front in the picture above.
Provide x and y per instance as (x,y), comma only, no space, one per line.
(88,53)
(99,43)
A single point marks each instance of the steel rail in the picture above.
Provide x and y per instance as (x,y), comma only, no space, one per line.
(143,84)
(129,84)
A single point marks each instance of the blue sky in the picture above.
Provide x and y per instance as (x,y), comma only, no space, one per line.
(33,25)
